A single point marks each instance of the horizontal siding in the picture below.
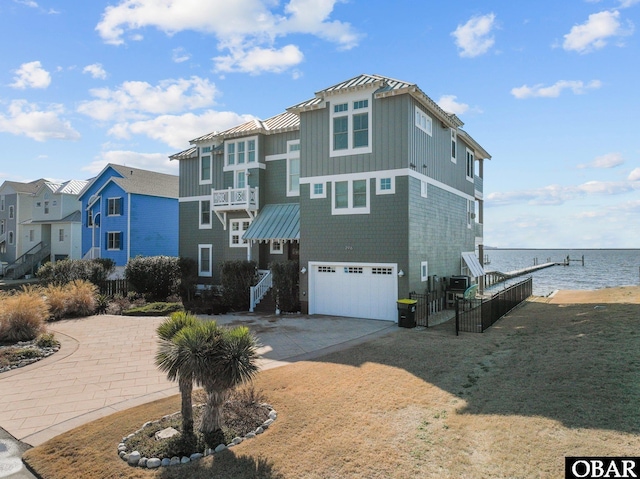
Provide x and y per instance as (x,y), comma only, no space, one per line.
(154,226)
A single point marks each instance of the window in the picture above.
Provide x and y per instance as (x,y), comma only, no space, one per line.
(341,133)
(251,151)
(384,271)
(205,168)
(454,146)
(241,179)
(424,122)
(2,227)
(61,235)
(351,127)
(276,247)
(38,204)
(89,219)
(240,152)
(423,189)
(11,212)
(326,269)
(351,197)
(469,164)
(236,230)
(318,191)
(293,168)
(205,214)
(10,236)
(353,270)
(424,271)
(46,207)
(114,206)
(385,186)
(114,241)
(204,259)
(32,236)
(2,203)
(471,212)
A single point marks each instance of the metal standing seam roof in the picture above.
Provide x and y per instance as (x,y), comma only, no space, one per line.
(275,222)
(276,124)
(473,263)
(185,154)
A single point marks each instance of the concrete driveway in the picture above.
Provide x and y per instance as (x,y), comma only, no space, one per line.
(106,364)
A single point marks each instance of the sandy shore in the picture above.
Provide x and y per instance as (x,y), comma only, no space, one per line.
(620,294)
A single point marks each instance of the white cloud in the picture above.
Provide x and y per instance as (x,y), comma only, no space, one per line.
(558,194)
(27,3)
(242,27)
(31,75)
(147,161)
(449,104)
(258,60)
(179,55)
(474,37)
(553,91)
(610,160)
(628,3)
(176,131)
(137,100)
(594,33)
(635,175)
(96,71)
(26,119)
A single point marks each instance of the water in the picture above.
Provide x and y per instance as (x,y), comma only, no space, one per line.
(602,267)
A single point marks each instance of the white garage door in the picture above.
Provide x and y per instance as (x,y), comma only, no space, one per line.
(354,290)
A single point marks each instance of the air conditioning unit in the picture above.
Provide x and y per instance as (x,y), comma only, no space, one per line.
(459,283)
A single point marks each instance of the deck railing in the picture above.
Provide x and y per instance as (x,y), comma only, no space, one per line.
(234,199)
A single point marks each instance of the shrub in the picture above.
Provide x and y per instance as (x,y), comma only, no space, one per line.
(154,309)
(57,298)
(155,277)
(237,278)
(47,340)
(22,315)
(286,285)
(82,298)
(188,278)
(65,271)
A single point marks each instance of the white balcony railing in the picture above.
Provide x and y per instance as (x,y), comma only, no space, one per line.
(235,199)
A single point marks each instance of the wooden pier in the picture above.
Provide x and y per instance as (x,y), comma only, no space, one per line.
(495,277)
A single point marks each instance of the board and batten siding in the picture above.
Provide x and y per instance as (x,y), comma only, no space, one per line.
(189,180)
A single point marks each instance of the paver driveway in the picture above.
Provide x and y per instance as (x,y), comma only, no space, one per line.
(106,364)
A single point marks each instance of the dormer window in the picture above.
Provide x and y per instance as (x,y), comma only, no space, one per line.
(240,152)
(351,125)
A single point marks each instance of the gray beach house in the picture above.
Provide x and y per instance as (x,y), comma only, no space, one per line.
(370,185)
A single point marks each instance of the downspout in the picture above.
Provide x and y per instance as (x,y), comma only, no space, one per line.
(128,226)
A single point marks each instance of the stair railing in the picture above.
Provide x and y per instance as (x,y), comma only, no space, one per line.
(259,291)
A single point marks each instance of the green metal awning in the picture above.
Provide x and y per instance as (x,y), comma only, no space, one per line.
(276,222)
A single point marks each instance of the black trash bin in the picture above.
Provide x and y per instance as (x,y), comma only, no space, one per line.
(407,313)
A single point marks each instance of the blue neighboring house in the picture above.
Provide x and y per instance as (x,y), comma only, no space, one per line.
(129,212)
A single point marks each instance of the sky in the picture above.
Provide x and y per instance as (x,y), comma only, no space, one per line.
(548,88)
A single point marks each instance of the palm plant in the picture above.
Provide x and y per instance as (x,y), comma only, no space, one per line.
(178,362)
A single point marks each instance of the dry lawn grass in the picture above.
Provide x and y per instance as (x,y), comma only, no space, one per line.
(550,380)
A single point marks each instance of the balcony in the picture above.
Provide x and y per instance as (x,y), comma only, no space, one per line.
(234,199)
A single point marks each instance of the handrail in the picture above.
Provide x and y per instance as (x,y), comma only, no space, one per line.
(28,260)
(235,198)
(259,291)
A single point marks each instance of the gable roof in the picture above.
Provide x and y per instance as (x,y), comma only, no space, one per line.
(280,123)
(384,87)
(30,188)
(137,181)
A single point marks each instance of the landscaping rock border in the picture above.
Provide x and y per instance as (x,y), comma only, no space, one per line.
(44,352)
(135,459)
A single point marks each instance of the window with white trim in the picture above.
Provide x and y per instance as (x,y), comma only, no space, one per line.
(424,188)
(89,218)
(236,229)
(470,158)
(424,122)
(205,260)
(10,237)
(350,197)
(293,168)
(318,190)
(2,203)
(114,240)
(385,186)
(46,207)
(2,227)
(454,146)
(276,247)
(11,212)
(471,210)
(350,126)
(32,236)
(240,152)
(424,271)
(61,235)
(114,206)
(205,165)
(240,179)
(205,214)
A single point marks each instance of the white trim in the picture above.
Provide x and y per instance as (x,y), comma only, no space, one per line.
(113,233)
(470,156)
(350,209)
(391,190)
(201,225)
(128,227)
(236,159)
(313,194)
(423,121)
(208,273)
(119,198)
(208,154)
(292,155)
(350,98)
(424,271)
(239,233)
(424,189)
(454,141)
(276,251)
(387,173)
(189,199)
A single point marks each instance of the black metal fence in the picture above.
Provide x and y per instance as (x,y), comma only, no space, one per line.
(477,315)
(428,303)
(114,287)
